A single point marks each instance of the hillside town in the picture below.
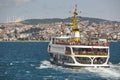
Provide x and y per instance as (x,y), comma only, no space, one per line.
(17,31)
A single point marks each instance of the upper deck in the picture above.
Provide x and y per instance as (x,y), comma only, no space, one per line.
(66,40)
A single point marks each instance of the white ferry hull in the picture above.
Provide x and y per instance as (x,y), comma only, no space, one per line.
(61,52)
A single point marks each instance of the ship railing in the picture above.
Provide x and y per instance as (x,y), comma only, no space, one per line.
(63,43)
(93,54)
(78,43)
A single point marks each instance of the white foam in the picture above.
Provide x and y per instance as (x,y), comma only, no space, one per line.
(32,65)
(46,64)
(11,63)
(27,71)
(109,73)
(112,73)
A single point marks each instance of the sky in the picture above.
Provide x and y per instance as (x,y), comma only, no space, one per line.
(16,10)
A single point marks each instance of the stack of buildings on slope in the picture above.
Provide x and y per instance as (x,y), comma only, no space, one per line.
(43,31)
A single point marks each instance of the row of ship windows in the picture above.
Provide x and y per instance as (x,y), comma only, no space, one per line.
(85,60)
(87,51)
(62,58)
(82,60)
(82,51)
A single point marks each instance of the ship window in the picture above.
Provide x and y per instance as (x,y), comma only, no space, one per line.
(68,59)
(100,51)
(99,60)
(81,50)
(90,51)
(83,60)
(65,59)
(68,50)
(76,50)
(51,55)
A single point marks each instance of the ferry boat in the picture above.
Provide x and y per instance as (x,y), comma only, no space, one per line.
(69,50)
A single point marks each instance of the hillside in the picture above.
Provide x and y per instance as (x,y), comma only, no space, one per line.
(28,30)
(53,20)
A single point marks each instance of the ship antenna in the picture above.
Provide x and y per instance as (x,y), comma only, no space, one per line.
(74,18)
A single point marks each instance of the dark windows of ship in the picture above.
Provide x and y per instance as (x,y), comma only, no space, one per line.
(86,60)
(83,60)
(99,60)
(64,41)
(66,59)
(57,58)
(51,55)
(90,51)
(68,51)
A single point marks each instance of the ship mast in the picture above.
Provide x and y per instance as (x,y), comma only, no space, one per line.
(74,18)
(75,31)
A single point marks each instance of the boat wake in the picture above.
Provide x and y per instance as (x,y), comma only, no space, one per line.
(112,73)
(45,64)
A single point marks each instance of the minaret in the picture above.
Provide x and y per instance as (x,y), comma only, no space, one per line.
(75,30)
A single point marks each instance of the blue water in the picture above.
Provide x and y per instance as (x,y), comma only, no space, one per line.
(30,61)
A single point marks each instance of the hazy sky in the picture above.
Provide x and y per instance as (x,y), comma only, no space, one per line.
(38,9)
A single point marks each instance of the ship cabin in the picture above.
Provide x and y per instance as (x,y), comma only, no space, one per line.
(62,40)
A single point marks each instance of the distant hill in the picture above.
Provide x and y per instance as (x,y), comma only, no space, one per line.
(53,20)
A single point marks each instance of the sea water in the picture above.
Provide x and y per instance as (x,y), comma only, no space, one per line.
(30,61)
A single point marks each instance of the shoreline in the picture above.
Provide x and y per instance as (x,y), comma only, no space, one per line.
(25,41)
(39,41)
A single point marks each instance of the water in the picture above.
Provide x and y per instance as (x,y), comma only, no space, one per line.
(30,61)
